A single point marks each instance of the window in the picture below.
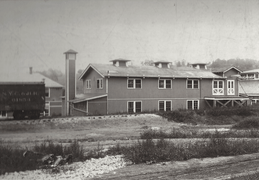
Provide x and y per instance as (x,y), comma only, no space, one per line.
(255,101)
(230,87)
(218,87)
(192,84)
(134,106)
(193,104)
(3,114)
(134,83)
(164,83)
(130,83)
(165,105)
(99,83)
(47,92)
(46,111)
(88,84)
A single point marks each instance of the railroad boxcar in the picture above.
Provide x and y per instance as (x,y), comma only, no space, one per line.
(26,99)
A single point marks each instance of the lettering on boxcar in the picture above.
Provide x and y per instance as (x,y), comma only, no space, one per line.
(21,99)
(22,93)
(16,96)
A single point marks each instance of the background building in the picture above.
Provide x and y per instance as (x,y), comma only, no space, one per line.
(53,90)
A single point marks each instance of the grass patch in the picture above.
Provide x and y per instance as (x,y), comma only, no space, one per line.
(48,147)
(180,116)
(151,151)
(231,111)
(211,116)
(188,133)
(253,176)
(12,159)
(248,123)
(144,151)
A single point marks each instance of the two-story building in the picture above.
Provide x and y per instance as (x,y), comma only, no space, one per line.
(121,88)
(249,85)
(53,90)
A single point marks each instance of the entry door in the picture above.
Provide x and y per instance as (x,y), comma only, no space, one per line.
(231,87)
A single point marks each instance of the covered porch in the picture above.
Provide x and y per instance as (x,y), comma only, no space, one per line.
(227,101)
(88,104)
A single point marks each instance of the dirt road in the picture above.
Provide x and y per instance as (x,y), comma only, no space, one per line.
(207,168)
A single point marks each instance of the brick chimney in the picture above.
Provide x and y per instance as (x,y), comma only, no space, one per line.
(70,90)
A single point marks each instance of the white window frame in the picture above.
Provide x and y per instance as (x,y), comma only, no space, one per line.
(47,104)
(164,101)
(134,106)
(1,114)
(134,83)
(164,85)
(49,92)
(192,80)
(218,90)
(231,90)
(193,101)
(254,101)
(99,83)
(88,84)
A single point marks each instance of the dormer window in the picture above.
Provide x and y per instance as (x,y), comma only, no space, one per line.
(199,65)
(120,62)
(162,64)
(117,64)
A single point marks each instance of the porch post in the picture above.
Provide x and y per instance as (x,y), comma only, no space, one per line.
(214,103)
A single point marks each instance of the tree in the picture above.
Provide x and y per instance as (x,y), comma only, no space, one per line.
(79,84)
(59,77)
(242,64)
(147,63)
(181,63)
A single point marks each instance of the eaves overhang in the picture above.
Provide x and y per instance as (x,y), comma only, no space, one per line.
(163,76)
(22,82)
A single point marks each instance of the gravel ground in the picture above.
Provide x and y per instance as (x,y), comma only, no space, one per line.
(76,171)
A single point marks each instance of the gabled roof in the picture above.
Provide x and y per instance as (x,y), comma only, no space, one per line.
(224,70)
(87,68)
(149,71)
(23,77)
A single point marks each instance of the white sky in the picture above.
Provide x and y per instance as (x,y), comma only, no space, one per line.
(37,32)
